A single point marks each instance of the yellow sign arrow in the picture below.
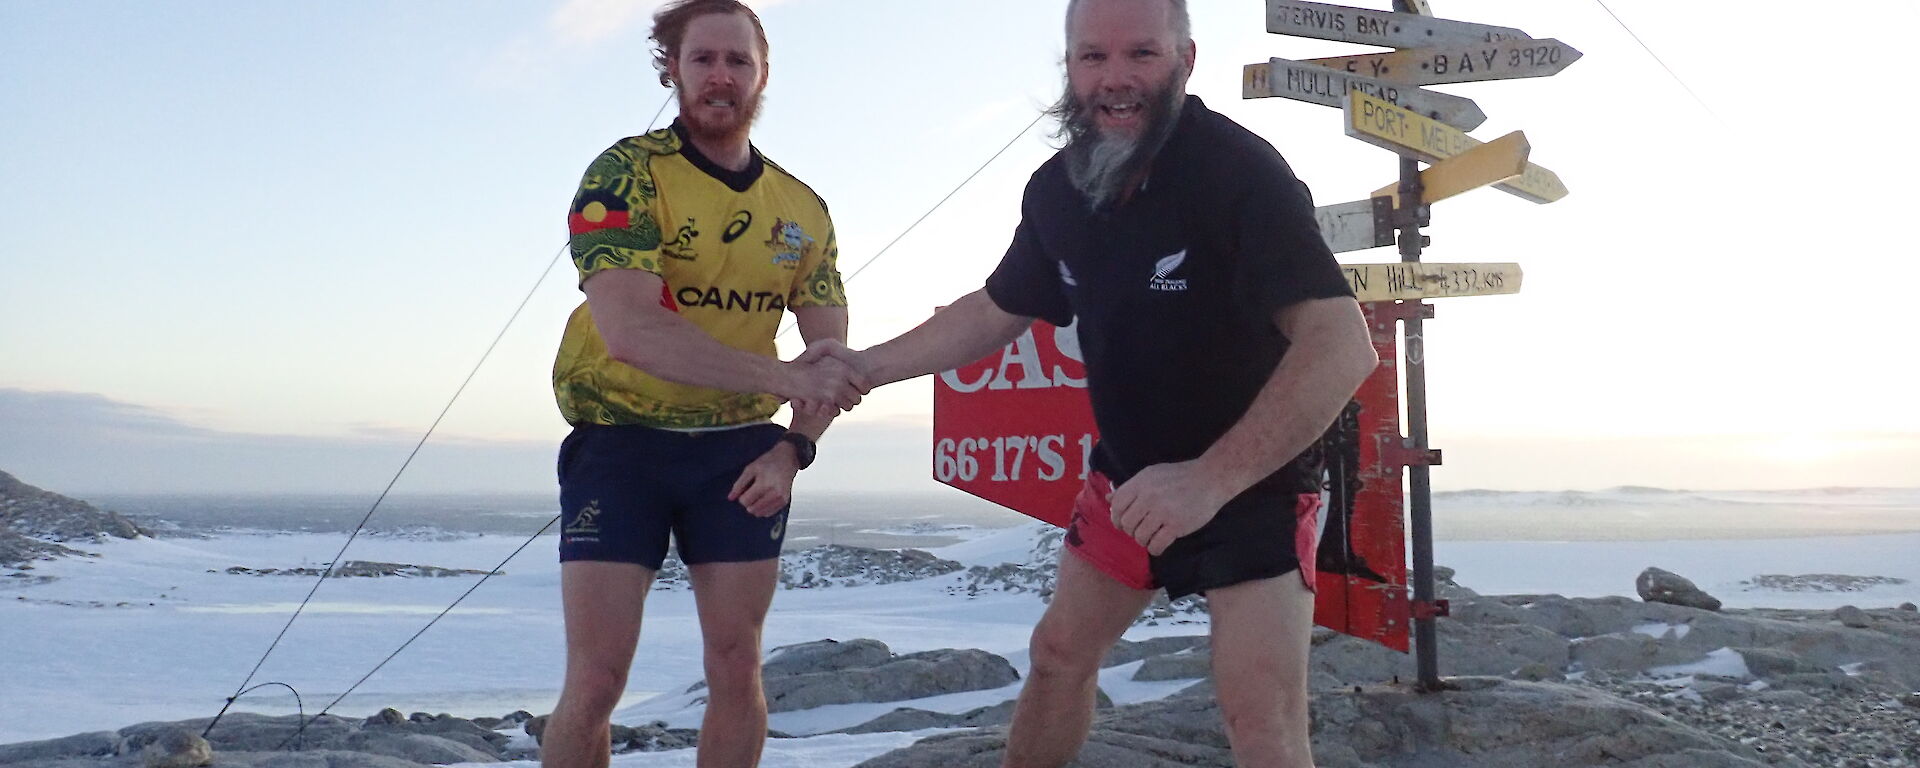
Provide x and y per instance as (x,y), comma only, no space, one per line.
(1490,163)
(1410,134)
(1426,280)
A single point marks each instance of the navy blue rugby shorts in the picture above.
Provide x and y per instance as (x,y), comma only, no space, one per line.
(624,489)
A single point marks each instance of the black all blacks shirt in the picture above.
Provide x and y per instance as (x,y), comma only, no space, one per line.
(1174,290)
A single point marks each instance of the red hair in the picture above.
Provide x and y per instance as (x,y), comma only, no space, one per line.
(670,28)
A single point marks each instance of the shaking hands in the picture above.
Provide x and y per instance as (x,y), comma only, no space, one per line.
(826,379)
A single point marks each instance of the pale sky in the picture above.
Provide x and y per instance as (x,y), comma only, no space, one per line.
(231,228)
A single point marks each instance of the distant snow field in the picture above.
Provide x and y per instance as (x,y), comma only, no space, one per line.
(157,630)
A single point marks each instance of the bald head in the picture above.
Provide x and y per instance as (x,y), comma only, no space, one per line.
(1178,24)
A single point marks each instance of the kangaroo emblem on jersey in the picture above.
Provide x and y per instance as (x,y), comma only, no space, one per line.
(790,243)
(681,247)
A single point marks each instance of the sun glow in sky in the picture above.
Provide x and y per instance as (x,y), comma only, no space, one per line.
(305,221)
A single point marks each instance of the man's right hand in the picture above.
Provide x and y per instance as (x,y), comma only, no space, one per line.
(822,385)
(834,349)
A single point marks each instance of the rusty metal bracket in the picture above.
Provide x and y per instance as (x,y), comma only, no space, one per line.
(1399,452)
(1432,610)
(1383,221)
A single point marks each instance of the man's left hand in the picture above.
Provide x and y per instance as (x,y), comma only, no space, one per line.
(766,485)
(1165,502)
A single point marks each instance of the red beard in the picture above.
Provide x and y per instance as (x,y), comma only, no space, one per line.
(732,127)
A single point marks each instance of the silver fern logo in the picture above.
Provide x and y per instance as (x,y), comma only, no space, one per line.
(1163,270)
(1066,275)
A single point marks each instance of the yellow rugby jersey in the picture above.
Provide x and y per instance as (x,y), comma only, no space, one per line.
(735,249)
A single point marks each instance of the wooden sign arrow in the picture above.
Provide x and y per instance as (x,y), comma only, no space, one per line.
(1413,135)
(1296,18)
(1507,60)
(1492,162)
(1358,225)
(1319,85)
(1425,280)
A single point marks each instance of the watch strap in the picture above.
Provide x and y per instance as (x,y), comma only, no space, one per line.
(803,446)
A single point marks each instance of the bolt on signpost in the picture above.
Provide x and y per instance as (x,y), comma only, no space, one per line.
(1384,105)
(1015,428)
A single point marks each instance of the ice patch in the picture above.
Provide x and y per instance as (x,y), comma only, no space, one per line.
(386,609)
(811,752)
(1725,662)
(1659,631)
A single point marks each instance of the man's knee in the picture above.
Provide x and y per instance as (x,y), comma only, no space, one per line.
(1056,652)
(733,664)
(1250,709)
(596,688)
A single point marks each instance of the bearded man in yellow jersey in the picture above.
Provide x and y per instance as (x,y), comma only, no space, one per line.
(690,247)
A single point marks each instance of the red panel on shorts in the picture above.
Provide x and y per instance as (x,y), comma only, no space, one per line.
(1093,536)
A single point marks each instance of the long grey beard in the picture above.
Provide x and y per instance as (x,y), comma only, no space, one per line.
(1102,167)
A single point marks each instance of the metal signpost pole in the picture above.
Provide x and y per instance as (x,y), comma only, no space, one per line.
(1411,213)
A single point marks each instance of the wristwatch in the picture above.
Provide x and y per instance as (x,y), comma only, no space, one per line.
(802,446)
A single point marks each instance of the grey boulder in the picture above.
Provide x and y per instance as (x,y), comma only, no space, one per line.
(1658,586)
(177,748)
(913,676)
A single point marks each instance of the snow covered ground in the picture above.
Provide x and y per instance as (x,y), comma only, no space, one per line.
(155,630)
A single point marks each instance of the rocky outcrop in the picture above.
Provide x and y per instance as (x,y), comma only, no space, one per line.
(844,566)
(1487,723)
(246,740)
(910,719)
(33,522)
(827,672)
(912,676)
(829,566)
(81,745)
(43,514)
(1852,616)
(17,551)
(1818,582)
(819,656)
(363,569)
(1036,573)
(826,656)
(1659,586)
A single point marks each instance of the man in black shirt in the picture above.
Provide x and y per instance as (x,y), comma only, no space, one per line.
(1220,339)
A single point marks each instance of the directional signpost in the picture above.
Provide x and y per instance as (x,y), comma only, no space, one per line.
(1505,60)
(1415,136)
(1328,87)
(1423,280)
(1384,104)
(1497,161)
(1358,225)
(1369,27)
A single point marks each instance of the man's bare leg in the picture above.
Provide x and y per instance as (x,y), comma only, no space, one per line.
(1262,631)
(1089,612)
(603,604)
(732,600)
